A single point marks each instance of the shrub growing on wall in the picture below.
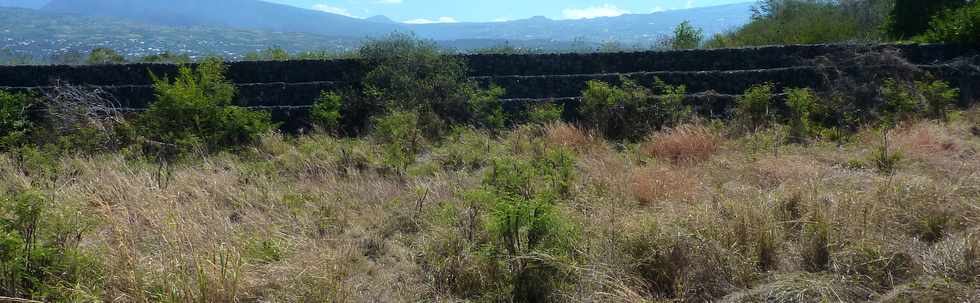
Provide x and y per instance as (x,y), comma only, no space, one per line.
(194,110)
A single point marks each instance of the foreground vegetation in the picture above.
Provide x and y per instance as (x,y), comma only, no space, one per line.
(422,188)
(538,212)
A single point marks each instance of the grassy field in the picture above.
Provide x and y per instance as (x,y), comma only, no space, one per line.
(691,214)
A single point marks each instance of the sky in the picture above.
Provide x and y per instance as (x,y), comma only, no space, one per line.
(429,11)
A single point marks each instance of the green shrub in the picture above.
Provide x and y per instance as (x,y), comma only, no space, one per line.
(465,149)
(326,111)
(195,111)
(15,123)
(754,107)
(410,74)
(527,234)
(686,36)
(904,101)
(486,110)
(779,22)
(938,98)
(401,138)
(39,255)
(105,56)
(545,113)
(801,102)
(900,102)
(630,111)
(167,57)
(910,18)
(960,26)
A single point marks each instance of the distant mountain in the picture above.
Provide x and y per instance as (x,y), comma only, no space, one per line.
(260,15)
(40,35)
(626,29)
(242,14)
(381,19)
(23,3)
(231,28)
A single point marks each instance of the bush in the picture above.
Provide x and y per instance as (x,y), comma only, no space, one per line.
(326,111)
(779,22)
(195,111)
(39,257)
(937,97)
(910,18)
(686,36)
(801,102)
(904,101)
(546,113)
(960,26)
(15,122)
(105,56)
(401,137)
(525,229)
(754,107)
(410,74)
(630,111)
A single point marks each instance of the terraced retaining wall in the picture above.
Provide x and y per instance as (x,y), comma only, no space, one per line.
(713,77)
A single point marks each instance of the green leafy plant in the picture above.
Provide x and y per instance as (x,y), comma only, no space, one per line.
(801,102)
(754,107)
(961,26)
(411,74)
(15,123)
(630,111)
(401,137)
(938,98)
(545,113)
(39,255)
(326,111)
(105,56)
(686,36)
(195,111)
(910,18)
(525,229)
(781,22)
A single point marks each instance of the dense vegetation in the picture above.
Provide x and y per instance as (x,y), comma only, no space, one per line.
(830,21)
(421,188)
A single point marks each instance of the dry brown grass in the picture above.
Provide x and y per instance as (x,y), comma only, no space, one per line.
(292,220)
(571,137)
(653,185)
(684,144)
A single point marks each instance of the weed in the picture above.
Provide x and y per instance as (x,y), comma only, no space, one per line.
(326,111)
(754,107)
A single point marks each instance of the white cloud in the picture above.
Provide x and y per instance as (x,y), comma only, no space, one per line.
(429,21)
(333,10)
(606,10)
(690,4)
(389,1)
(659,9)
(500,20)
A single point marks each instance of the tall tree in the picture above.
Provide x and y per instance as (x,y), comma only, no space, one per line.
(910,18)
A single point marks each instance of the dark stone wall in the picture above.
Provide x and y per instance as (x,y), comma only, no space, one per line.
(289,87)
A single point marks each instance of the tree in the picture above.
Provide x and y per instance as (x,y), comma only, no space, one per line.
(167,57)
(104,55)
(686,36)
(911,18)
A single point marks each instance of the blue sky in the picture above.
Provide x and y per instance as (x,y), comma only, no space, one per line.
(424,11)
